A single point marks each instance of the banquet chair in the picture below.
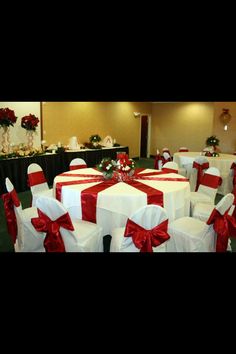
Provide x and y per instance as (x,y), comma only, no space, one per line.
(199,166)
(132,237)
(166,157)
(37,182)
(166,149)
(158,161)
(207,189)
(188,234)
(170,167)
(183,149)
(71,235)
(77,163)
(25,237)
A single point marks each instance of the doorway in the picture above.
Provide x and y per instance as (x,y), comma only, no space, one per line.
(145,135)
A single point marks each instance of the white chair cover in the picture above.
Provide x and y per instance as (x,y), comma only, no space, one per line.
(37,182)
(77,163)
(205,194)
(183,149)
(28,239)
(172,166)
(86,237)
(148,217)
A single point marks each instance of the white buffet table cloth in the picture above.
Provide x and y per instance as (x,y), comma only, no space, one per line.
(118,202)
(223,163)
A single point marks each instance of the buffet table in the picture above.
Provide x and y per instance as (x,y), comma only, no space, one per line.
(222,162)
(109,203)
(52,165)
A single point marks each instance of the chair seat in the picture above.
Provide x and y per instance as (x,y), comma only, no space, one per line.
(190,235)
(197,197)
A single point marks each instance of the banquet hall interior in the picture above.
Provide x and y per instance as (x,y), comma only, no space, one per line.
(138,130)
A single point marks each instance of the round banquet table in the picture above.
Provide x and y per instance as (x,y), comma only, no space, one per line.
(222,162)
(88,196)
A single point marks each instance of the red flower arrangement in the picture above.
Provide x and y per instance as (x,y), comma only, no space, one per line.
(29,122)
(124,164)
(7,117)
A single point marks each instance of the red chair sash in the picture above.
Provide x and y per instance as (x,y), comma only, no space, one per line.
(36,178)
(169,170)
(9,201)
(211,181)
(222,225)
(77,167)
(157,159)
(53,241)
(183,150)
(146,239)
(233,167)
(200,169)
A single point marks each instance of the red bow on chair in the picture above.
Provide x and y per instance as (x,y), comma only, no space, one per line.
(233,167)
(9,201)
(222,225)
(146,239)
(53,241)
(200,169)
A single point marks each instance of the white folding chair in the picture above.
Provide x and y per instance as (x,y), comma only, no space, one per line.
(170,167)
(158,161)
(146,218)
(37,182)
(76,235)
(207,189)
(183,149)
(27,238)
(193,235)
(77,163)
(196,170)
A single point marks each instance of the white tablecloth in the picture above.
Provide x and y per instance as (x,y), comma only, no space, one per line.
(223,163)
(118,202)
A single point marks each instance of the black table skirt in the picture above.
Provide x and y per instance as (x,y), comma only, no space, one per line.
(52,165)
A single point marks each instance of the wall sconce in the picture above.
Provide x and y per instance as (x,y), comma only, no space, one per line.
(225,118)
(137,114)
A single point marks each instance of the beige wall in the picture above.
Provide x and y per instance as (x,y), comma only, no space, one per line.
(227,138)
(181,124)
(61,120)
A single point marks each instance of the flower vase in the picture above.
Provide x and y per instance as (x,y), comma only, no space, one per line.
(6,139)
(30,139)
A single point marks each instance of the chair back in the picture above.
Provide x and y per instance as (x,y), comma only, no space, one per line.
(170,167)
(166,157)
(183,149)
(36,179)
(200,164)
(166,149)
(77,163)
(147,217)
(54,209)
(210,182)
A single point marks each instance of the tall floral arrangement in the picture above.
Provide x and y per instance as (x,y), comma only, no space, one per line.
(29,122)
(212,141)
(7,117)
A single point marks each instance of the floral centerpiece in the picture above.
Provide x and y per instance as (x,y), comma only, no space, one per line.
(29,122)
(107,166)
(122,169)
(7,118)
(212,141)
(211,150)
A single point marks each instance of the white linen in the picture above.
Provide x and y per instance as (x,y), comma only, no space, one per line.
(118,202)
(223,163)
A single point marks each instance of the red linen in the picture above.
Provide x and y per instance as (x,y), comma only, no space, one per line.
(9,201)
(169,170)
(77,167)
(53,241)
(222,225)
(211,181)
(146,239)
(35,178)
(200,169)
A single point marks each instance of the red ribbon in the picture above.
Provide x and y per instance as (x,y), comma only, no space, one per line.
(157,159)
(36,178)
(53,241)
(77,167)
(211,181)
(183,150)
(200,169)
(222,225)
(233,167)
(169,170)
(9,201)
(146,239)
